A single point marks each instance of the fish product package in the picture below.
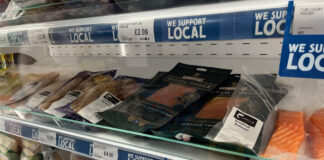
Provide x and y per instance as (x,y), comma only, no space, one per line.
(202,115)
(251,115)
(159,101)
(106,96)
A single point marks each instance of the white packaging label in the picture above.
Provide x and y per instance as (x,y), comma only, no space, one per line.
(4,38)
(104,102)
(103,151)
(38,98)
(240,127)
(25,91)
(67,99)
(38,36)
(136,31)
(308,19)
(46,136)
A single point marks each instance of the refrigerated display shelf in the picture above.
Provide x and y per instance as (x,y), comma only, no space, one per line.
(111,142)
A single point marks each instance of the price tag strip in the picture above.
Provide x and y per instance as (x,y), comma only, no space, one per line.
(38,36)
(136,31)
(302,55)
(263,23)
(89,148)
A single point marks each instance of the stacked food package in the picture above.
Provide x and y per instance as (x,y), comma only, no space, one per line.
(15,148)
(198,104)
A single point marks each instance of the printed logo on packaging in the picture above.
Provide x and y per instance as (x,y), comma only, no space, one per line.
(302,51)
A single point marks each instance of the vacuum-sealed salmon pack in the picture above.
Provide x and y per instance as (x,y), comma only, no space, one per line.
(159,101)
(33,86)
(251,115)
(68,86)
(59,107)
(39,97)
(12,82)
(202,115)
(105,98)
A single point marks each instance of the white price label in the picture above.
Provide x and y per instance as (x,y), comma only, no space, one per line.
(308,19)
(104,151)
(136,31)
(4,38)
(38,36)
(46,136)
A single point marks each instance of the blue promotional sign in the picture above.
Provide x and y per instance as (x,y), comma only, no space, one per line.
(18,38)
(20,130)
(84,34)
(74,144)
(302,55)
(239,25)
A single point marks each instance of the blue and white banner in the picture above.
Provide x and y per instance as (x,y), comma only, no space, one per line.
(74,144)
(84,34)
(302,55)
(268,23)
(265,23)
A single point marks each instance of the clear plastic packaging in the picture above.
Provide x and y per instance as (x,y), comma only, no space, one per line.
(251,114)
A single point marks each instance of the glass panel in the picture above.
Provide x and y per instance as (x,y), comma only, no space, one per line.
(111,133)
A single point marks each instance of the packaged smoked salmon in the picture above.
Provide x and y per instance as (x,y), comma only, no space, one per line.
(158,101)
(251,116)
(202,115)
(60,106)
(11,82)
(106,98)
(68,86)
(33,86)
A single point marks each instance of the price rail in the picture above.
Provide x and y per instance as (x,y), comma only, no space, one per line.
(252,24)
(81,146)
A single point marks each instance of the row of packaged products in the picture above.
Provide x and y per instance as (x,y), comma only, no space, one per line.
(31,11)
(15,148)
(204,105)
